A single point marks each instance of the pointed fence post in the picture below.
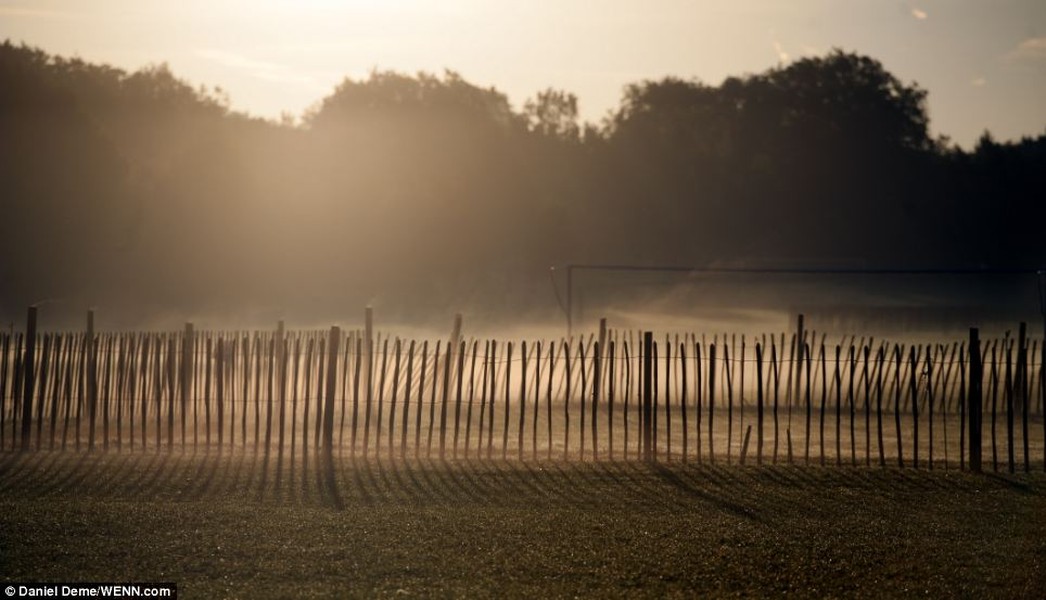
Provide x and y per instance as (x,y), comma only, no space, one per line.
(281,379)
(187,375)
(648,403)
(92,380)
(368,375)
(597,379)
(974,400)
(1021,391)
(29,377)
(800,335)
(333,343)
(1042,359)
(219,370)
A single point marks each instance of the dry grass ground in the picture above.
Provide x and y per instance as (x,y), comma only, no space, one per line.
(242,526)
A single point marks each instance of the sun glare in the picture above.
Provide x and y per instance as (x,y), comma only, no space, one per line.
(356,6)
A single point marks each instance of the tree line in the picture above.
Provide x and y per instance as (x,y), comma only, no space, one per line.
(139,191)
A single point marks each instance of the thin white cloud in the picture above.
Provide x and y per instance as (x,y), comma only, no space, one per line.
(261,69)
(979,82)
(1031,53)
(919,14)
(782,56)
(37,13)
(237,61)
(286,77)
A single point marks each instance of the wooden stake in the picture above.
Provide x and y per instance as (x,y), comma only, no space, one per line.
(333,342)
(759,403)
(648,349)
(974,399)
(711,404)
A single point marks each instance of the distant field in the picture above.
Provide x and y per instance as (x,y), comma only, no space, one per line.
(234,525)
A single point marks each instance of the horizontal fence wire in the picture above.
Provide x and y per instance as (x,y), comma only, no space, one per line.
(712,398)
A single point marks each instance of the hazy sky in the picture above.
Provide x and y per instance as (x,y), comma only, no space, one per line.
(983,62)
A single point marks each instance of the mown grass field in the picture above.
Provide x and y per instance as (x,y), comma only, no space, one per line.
(240,526)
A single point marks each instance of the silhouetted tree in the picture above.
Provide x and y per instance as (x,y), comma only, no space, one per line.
(553,113)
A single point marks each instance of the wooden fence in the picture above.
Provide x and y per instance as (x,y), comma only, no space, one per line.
(617,395)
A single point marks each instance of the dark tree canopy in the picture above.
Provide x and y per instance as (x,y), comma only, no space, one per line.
(393,99)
